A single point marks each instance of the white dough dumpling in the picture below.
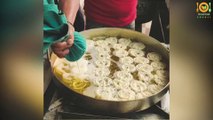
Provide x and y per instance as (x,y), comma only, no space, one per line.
(144,68)
(128,67)
(136,52)
(153,88)
(120,53)
(100,43)
(126,94)
(137,86)
(158,65)
(154,56)
(126,60)
(137,45)
(124,41)
(103,72)
(160,81)
(111,40)
(102,63)
(162,73)
(141,60)
(146,93)
(145,77)
(106,93)
(120,83)
(99,82)
(118,46)
(103,49)
(123,75)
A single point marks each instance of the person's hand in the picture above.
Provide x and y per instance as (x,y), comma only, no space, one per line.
(61,49)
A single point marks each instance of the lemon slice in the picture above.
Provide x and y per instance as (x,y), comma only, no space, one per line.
(58,72)
(80,84)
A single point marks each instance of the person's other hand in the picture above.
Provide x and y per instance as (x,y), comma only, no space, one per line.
(61,49)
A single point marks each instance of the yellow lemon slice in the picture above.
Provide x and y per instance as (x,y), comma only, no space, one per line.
(79,84)
(58,72)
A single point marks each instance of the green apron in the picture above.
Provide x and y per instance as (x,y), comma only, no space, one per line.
(56,30)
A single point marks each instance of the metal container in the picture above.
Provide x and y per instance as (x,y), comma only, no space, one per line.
(105,106)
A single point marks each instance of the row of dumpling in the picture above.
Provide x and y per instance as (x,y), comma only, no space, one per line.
(123,82)
(103,47)
(104,44)
(145,70)
(147,73)
(113,42)
(120,89)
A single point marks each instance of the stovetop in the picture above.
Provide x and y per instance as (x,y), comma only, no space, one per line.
(58,107)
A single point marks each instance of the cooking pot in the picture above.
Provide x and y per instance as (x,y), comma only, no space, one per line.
(106,106)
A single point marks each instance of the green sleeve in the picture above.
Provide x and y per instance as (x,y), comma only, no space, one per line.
(55,29)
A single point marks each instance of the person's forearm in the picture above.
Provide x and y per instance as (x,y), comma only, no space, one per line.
(70,8)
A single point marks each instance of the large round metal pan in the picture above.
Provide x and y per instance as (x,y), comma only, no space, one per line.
(116,106)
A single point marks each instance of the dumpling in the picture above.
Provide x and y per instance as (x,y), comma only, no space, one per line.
(136,52)
(123,75)
(162,73)
(153,88)
(154,56)
(126,60)
(120,83)
(144,68)
(101,72)
(160,81)
(102,49)
(111,40)
(128,67)
(101,43)
(141,60)
(118,46)
(137,45)
(137,86)
(106,93)
(124,41)
(97,81)
(126,94)
(120,53)
(158,65)
(139,95)
(146,93)
(145,77)
(102,63)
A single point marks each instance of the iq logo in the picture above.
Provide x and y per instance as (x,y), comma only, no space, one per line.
(203,10)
